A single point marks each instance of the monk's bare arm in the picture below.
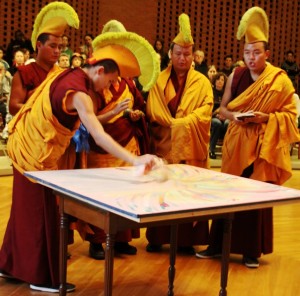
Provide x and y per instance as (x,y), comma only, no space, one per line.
(259,116)
(18,95)
(84,106)
(227,96)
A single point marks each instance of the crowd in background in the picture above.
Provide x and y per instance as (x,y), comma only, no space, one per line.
(20,52)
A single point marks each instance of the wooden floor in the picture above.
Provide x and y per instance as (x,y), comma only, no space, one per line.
(146,274)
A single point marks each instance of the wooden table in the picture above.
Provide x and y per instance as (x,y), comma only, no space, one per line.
(115,199)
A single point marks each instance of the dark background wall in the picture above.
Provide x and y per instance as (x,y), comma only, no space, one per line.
(213,23)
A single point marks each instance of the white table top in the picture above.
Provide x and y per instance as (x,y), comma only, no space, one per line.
(187,189)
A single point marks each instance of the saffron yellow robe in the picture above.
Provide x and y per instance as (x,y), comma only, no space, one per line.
(37,140)
(266,145)
(184,138)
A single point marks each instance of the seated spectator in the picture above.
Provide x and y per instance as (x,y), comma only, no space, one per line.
(83,55)
(87,47)
(200,63)
(228,65)
(211,72)
(218,124)
(18,43)
(239,63)
(76,60)
(65,47)
(159,48)
(18,60)
(64,61)
(5,86)
(2,52)
(291,68)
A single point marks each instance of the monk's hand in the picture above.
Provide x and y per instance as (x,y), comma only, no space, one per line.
(121,106)
(221,117)
(147,162)
(236,120)
(259,117)
(135,115)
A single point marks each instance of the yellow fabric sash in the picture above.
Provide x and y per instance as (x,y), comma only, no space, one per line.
(37,140)
(265,145)
(112,104)
(186,137)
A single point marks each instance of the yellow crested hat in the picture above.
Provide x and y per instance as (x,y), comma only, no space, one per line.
(184,37)
(133,54)
(254,25)
(53,19)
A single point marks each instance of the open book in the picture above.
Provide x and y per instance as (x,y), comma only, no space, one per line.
(244,115)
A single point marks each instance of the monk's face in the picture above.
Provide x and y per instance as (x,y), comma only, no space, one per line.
(255,56)
(49,52)
(102,80)
(182,57)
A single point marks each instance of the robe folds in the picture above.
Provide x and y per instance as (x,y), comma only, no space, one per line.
(38,140)
(181,139)
(184,138)
(266,145)
(258,151)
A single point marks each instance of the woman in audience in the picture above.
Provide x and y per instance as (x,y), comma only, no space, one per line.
(159,48)
(219,123)
(212,71)
(19,60)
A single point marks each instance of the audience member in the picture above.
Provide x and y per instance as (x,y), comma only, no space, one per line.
(19,43)
(83,55)
(18,61)
(255,147)
(65,46)
(26,54)
(219,123)
(179,109)
(200,63)
(5,87)
(211,72)
(63,61)
(87,48)
(228,65)
(76,60)
(291,68)
(2,52)
(159,48)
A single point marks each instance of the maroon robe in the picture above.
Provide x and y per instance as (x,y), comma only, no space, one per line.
(30,249)
(32,75)
(252,231)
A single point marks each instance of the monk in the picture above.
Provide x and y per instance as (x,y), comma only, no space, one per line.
(121,112)
(255,147)
(40,133)
(179,109)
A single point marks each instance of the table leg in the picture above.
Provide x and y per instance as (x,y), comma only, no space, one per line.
(63,248)
(109,264)
(225,253)
(173,250)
